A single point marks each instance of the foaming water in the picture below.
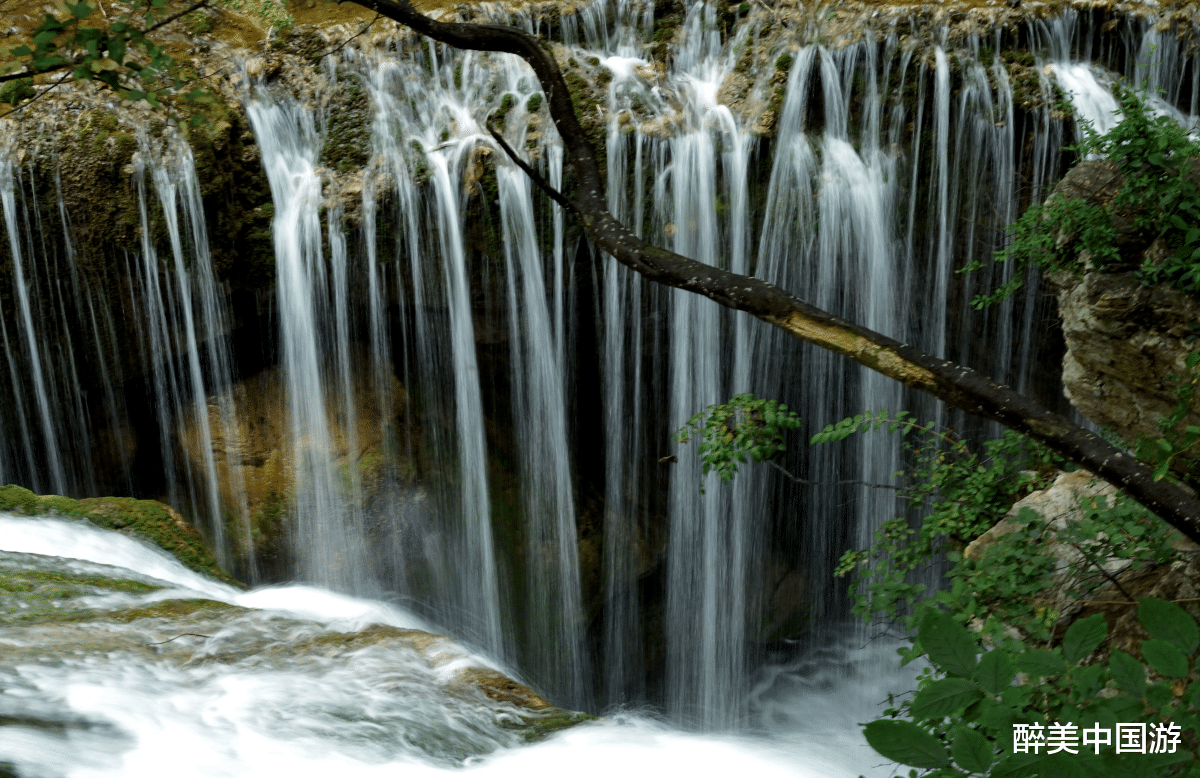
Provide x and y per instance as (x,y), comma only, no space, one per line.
(263,692)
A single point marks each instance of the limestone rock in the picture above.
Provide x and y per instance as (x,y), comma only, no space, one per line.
(1124,342)
(248,429)
(1061,504)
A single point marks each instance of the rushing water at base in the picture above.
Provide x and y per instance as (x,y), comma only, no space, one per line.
(251,696)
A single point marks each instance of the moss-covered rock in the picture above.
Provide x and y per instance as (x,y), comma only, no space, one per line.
(53,584)
(161,524)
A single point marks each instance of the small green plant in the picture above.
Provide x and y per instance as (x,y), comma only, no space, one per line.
(507,103)
(534,102)
(15,92)
(1153,155)
(744,426)
(120,55)
(963,493)
(1177,452)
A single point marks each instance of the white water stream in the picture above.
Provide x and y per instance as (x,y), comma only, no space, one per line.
(248,699)
(888,165)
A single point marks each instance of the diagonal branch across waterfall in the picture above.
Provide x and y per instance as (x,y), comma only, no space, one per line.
(947,381)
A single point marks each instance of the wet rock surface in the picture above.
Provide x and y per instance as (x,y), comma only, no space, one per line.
(1126,350)
(67,622)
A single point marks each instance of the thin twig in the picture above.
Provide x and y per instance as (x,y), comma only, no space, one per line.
(173,17)
(536,177)
(1104,572)
(798,480)
(177,637)
(38,96)
(342,45)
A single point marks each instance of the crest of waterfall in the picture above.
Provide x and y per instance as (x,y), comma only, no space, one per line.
(891,163)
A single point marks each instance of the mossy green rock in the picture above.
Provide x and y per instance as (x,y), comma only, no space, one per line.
(161,524)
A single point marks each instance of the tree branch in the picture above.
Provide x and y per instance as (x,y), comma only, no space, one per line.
(952,383)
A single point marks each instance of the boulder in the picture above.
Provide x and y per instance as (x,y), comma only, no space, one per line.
(1116,591)
(154,521)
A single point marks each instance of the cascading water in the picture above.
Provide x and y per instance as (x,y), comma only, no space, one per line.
(890,161)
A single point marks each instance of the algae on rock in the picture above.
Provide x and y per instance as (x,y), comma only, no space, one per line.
(160,524)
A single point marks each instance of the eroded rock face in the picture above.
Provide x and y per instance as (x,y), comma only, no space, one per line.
(251,448)
(1125,342)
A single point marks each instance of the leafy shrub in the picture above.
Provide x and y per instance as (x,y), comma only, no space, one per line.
(746,425)
(1014,668)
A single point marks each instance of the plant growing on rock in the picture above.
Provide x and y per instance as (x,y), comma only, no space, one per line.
(1013,687)
(1158,203)
(122,55)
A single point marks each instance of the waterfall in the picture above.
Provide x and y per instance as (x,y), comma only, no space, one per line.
(53,467)
(525,493)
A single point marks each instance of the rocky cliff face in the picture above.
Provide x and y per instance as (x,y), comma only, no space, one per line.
(1126,346)
(1126,343)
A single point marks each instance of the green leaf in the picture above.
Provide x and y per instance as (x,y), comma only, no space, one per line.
(999,718)
(995,671)
(1017,766)
(906,743)
(949,644)
(80,11)
(942,698)
(1166,658)
(1167,621)
(1083,637)
(20,51)
(1159,694)
(1120,707)
(1041,663)
(972,751)
(45,63)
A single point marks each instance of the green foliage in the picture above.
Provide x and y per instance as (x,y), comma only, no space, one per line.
(1177,452)
(964,492)
(272,13)
(120,55)
(1152,154)
(961,720)
(744,426)
(1014,666)
(15,92)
